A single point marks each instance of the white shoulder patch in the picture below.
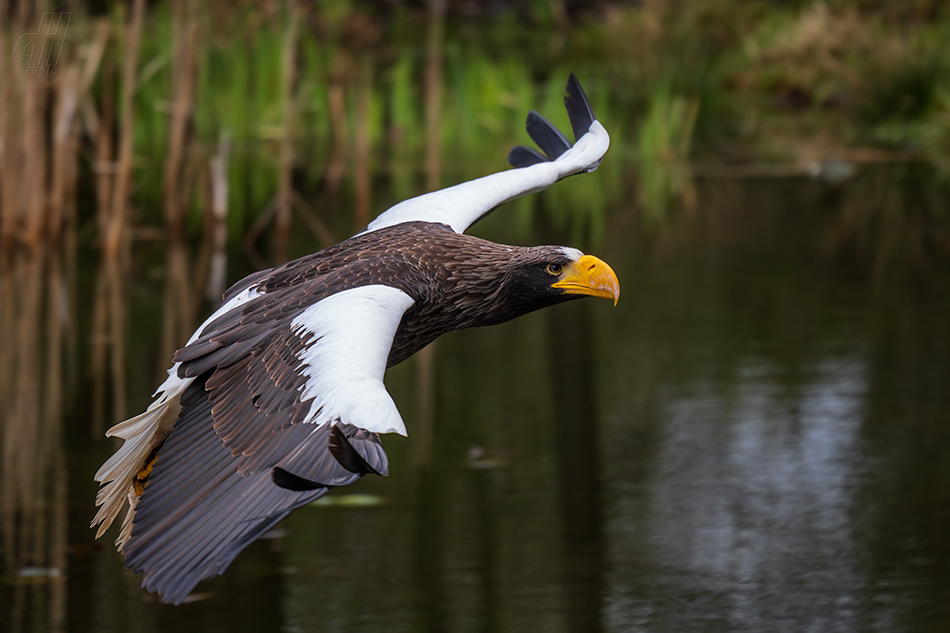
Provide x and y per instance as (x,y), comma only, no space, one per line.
(242,297)
(344,365)
(460,206)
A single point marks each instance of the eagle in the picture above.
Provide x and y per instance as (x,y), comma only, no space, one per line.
(278,396)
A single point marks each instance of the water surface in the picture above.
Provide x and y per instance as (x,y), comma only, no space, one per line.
(757,438)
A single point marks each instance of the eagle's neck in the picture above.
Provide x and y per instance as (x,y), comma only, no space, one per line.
(468,290)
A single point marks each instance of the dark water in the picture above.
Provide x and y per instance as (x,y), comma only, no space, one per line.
(756,439)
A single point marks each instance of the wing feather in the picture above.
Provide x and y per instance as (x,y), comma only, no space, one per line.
(302,405)
(521,156)
(579,110)
(462,205)
(198,512)
(550,139)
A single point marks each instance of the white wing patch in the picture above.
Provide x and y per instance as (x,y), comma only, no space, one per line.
(460,206)
(344,365)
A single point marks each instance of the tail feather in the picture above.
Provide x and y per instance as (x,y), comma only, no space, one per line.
(142,434)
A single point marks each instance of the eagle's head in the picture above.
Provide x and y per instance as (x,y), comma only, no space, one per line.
(559,273)
(496,283)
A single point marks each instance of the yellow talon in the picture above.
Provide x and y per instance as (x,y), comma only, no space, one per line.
(141,479)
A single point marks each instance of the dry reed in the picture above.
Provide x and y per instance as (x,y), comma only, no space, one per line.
(285,182)
(217,274)
(40,130)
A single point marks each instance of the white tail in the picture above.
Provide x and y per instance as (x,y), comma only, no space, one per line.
(142,434)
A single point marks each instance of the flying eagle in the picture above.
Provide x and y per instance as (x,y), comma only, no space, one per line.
(279,395)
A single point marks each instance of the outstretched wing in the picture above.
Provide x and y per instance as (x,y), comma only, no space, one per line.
(277,405)
(462,205)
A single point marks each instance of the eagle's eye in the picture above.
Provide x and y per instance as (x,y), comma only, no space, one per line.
(554,269)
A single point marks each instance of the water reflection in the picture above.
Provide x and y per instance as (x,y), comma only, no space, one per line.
(763,408)
(755,439)
(748,510)
(33,495)
(578,464)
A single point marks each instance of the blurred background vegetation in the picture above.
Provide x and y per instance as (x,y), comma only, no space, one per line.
(294,100)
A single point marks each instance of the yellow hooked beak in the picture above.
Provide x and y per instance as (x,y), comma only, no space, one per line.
(589,276)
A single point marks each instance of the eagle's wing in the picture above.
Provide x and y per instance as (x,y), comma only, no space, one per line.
(276,404)
(462,205)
